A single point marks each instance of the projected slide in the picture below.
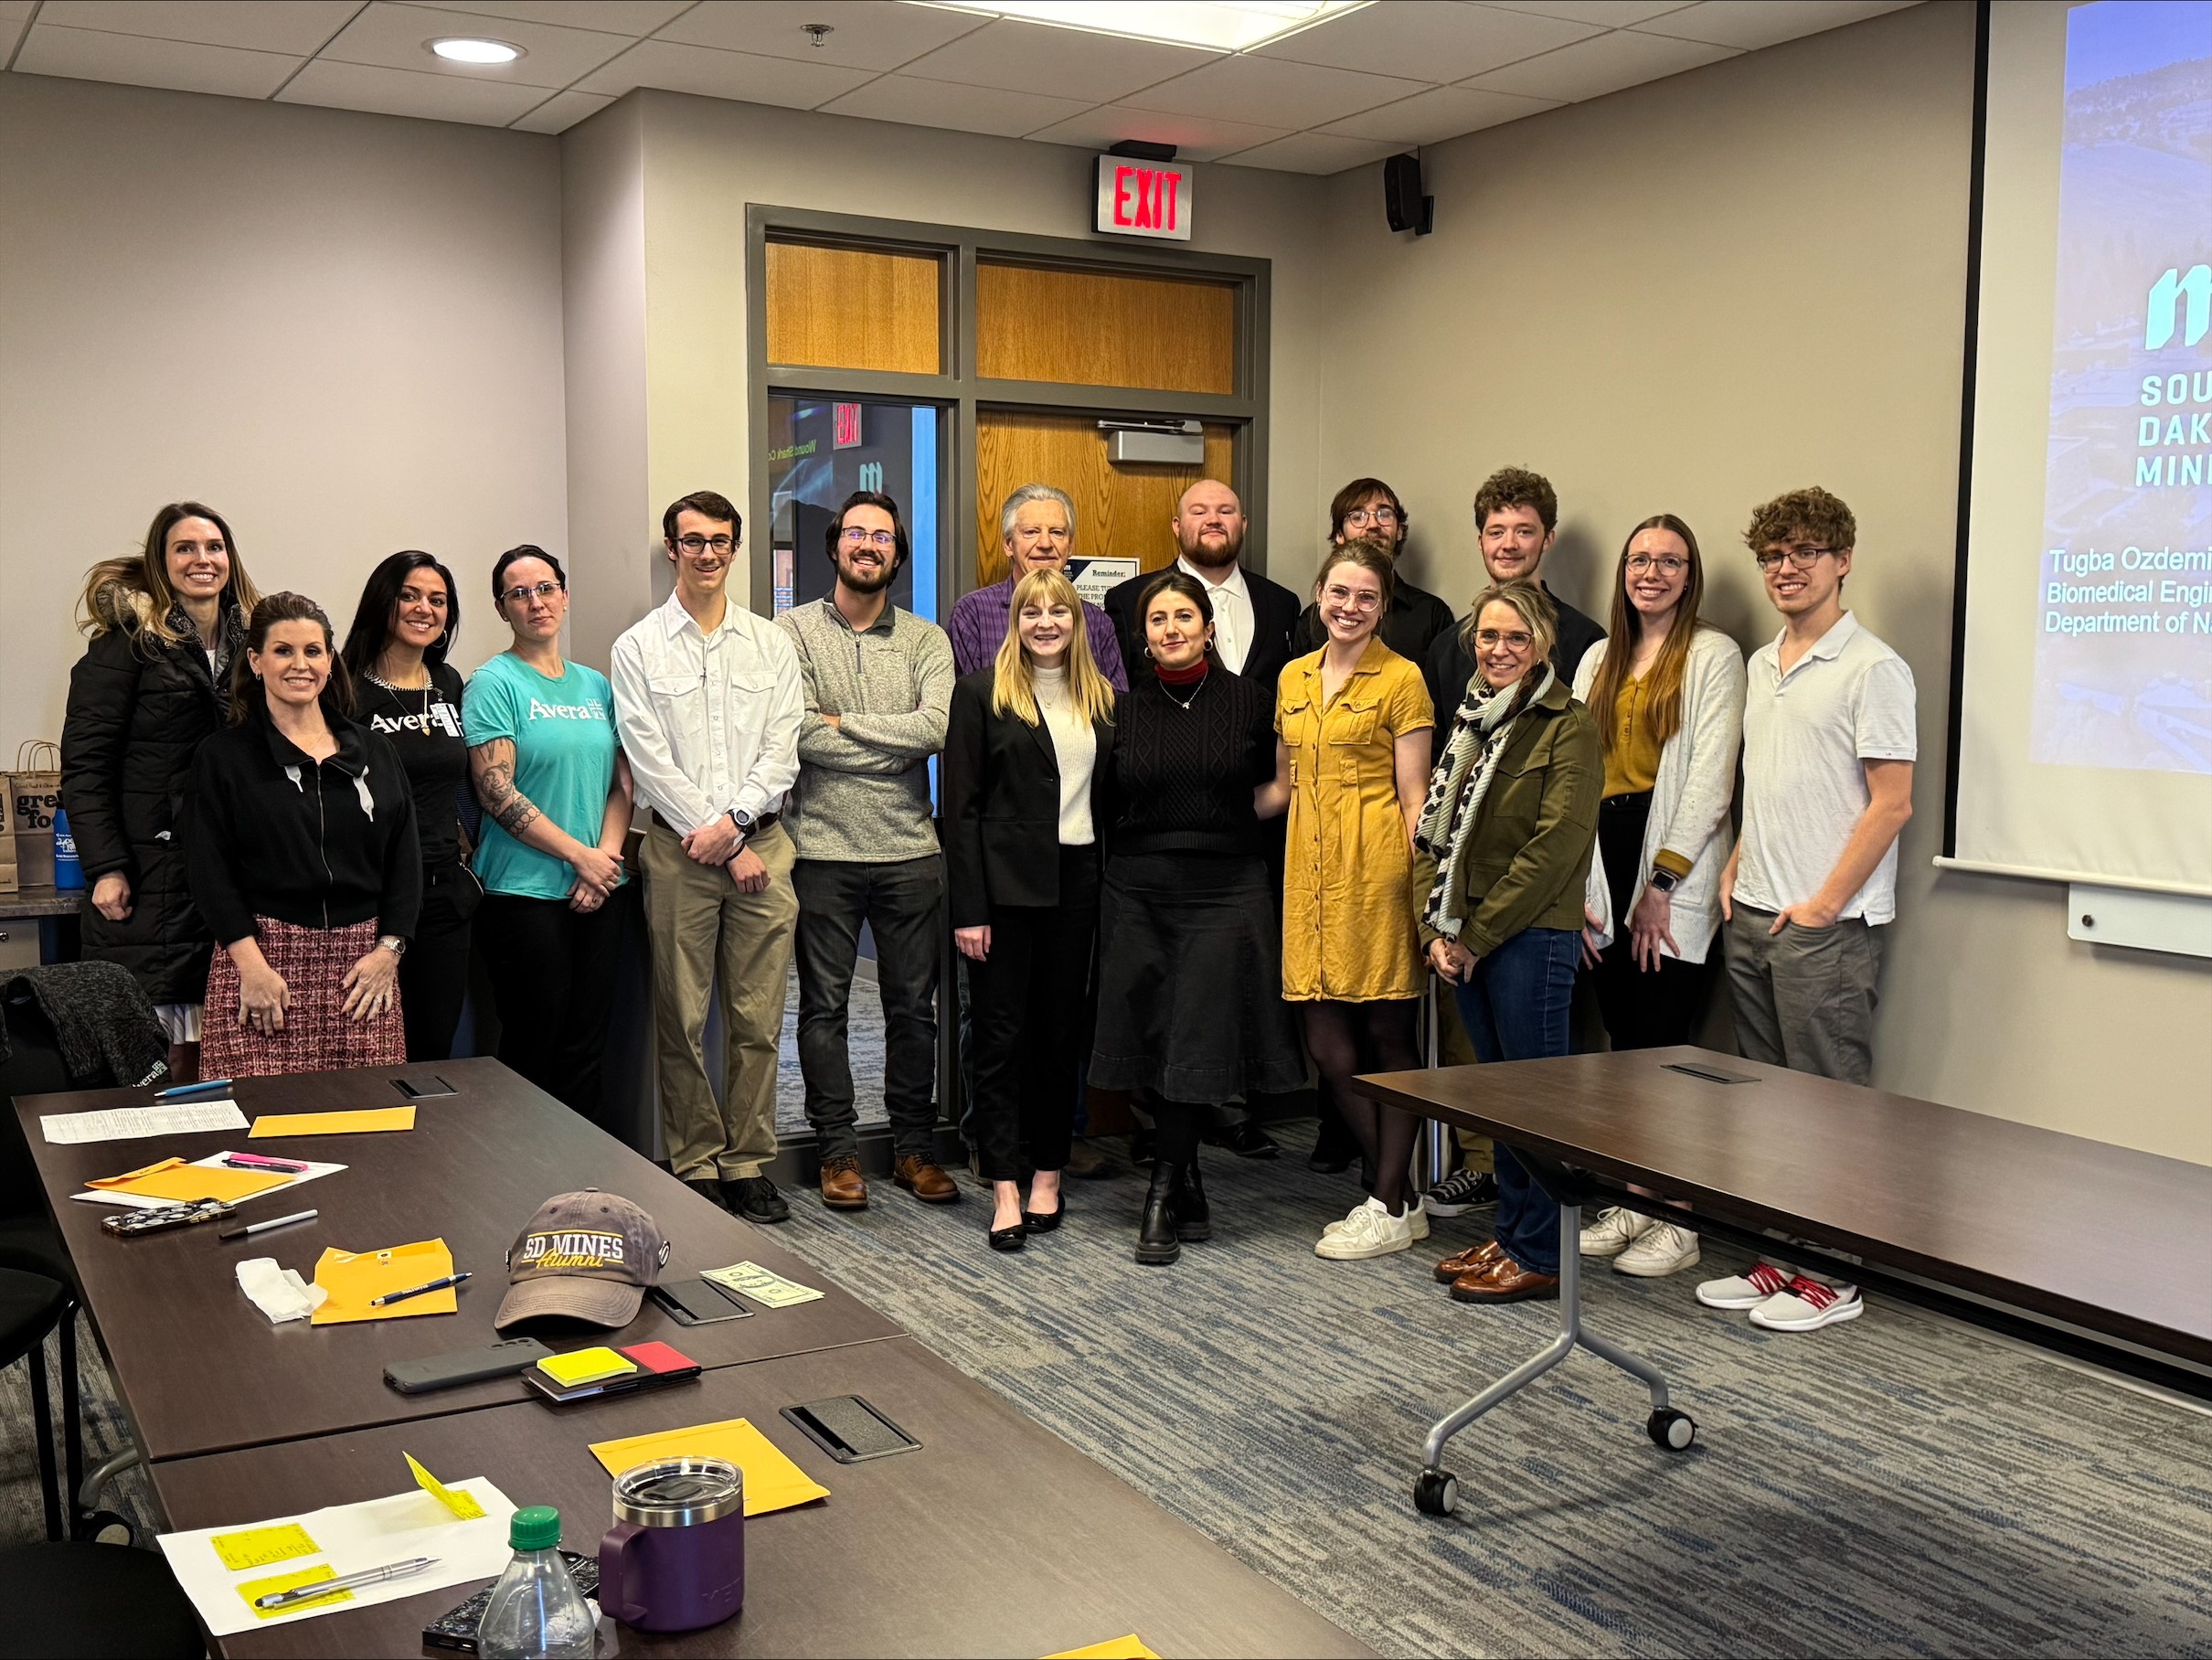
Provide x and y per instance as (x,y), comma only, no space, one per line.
(2123,650)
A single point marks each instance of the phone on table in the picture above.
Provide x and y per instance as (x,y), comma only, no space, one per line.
(456,1631)
(464,1366)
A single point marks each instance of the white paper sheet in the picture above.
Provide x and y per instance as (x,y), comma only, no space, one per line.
(132,1123)
(352,1537)
(214,1161)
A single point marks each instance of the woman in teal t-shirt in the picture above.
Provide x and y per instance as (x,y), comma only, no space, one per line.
(556,794)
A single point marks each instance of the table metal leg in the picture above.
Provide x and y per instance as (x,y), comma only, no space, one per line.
(1436,1490)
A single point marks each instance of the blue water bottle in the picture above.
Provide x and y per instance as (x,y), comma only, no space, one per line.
(69,870)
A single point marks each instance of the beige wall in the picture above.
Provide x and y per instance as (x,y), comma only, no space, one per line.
(341,331)
(1690,297)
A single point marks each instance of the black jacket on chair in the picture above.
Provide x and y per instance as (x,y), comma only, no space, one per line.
(1002,805)
(1274,615)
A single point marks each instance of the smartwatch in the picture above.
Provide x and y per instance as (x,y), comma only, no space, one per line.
(1663,879)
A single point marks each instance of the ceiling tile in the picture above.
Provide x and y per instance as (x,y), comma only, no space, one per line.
(395,36)
(1430,118)
(17,11)
(1196,138)
(1603,64)
(297,27)
(561,111)
(1607,13)
(132,60)
(1060,63)
(1751,23)
(863,34)
(634,18)
(1311,153)
(1270,92)
(1426,41)
(739,75)
(426,97)
(11,31)
(940,103)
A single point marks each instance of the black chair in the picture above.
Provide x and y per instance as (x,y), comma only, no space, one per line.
(94,1600)
(31,1305)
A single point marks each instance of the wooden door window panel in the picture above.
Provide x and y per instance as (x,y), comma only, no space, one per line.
(1105,328)
(854,308)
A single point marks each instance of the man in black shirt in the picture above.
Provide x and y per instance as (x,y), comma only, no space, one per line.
(1368,508)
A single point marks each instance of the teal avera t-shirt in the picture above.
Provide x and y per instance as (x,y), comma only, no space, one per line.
(564,739)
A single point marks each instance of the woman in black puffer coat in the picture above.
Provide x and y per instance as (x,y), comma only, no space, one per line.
(164,626)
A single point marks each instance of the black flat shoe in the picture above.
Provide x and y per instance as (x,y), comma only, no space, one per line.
(1044,1222)
(1009,1239)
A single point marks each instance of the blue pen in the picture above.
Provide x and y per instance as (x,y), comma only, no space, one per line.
(210,1087)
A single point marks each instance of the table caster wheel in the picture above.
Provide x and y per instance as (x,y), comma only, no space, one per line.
(1436,1492)
(1670,1430)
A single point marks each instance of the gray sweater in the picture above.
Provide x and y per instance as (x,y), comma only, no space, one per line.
(863,794)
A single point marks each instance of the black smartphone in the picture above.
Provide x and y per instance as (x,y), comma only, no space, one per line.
(464,1366)
(698,1301)
(457,1631)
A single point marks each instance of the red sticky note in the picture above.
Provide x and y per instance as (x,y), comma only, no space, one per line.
(660,1357)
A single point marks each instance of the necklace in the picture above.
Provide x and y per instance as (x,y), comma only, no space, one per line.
(1184,703)
(428,688)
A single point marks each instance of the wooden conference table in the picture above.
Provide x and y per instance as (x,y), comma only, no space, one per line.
(2083,1246)
(995,1536)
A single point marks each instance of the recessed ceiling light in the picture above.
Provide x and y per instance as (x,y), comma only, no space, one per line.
(475,52)
(1221,26)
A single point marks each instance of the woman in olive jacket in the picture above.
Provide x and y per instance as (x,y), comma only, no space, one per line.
(165,625)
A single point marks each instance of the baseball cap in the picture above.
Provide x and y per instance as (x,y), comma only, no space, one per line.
(584,1256)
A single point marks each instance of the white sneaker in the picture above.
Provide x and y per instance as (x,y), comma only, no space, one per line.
(1368,1233)
(1414,1214)
(1744,1291)
(1616,1228)
(1659,1251)
(1807,1305)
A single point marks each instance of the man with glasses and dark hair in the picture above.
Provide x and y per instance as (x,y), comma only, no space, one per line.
(1829,743)
(1370,508)
(707,700)
(1037,527)
(879,693)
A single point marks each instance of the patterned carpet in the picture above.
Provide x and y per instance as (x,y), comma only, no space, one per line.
(1898,1485)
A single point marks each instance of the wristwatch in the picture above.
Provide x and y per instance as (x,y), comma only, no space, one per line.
(1663,879)
(744,821)
(393,943)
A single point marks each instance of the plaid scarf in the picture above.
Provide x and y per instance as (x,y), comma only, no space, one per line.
(1480,732)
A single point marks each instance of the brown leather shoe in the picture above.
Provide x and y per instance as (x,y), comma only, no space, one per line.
(1473,1257)
(843,1186)
(922,1179)
(1504,1281)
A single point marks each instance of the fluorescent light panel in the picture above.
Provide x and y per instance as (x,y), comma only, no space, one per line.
(1221,26)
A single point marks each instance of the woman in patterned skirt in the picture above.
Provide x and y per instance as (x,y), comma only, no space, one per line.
(304,862)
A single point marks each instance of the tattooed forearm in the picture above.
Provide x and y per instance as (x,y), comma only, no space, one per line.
(491,765)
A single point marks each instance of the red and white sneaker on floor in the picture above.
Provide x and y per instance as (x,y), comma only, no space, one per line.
(1807,1305)
(1744,1291)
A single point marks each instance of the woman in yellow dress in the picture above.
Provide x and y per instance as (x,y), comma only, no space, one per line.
(1352,726)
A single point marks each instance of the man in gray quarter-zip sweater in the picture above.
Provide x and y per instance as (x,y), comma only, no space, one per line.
(878,685)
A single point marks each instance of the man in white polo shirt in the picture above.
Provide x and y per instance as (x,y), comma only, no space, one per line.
(1829,744)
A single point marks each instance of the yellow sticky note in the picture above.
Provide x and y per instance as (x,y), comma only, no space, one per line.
(772,1481)
(586,1366)
(332,1124)
(285,1582)
(463,1504)
(180,1182)
(258,1546)
(1130,1647)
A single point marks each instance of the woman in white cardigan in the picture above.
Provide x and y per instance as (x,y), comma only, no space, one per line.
(1668,695)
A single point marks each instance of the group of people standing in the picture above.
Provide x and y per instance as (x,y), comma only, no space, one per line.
(1490,804)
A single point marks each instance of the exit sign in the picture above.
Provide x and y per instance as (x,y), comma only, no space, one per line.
(846,426)
(1139,198)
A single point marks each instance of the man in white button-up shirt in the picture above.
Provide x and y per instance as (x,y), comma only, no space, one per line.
(707,697)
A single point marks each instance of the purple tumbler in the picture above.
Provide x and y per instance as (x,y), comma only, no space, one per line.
(674,1559)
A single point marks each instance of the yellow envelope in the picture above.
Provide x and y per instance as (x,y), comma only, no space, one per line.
(174,1180)
(332,1124)
(1130,1647)
(352,1278)
(772,1481)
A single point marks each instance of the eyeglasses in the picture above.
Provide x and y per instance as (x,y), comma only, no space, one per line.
(1365,599)
(1049,532)
(541,591)
(1800,557)
(1371,515)
(1490,639)
(696,544)
(1666,563)
(853,536)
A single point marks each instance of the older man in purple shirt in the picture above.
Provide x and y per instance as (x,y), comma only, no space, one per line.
(1037,526)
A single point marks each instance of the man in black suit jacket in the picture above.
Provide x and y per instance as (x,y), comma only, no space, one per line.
(1252,616)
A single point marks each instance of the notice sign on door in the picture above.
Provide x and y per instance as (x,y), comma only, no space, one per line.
(1139,198)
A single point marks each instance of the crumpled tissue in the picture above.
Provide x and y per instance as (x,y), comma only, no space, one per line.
(279,1292)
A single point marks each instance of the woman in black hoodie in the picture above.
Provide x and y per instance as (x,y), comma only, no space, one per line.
(165,625)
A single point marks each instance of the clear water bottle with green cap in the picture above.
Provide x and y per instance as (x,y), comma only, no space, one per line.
(535,1613)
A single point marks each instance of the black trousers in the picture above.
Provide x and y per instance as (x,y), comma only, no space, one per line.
(1030,1007)
(553,982)
(434,974)
(1642,1009)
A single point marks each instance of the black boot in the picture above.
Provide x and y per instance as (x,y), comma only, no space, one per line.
(1194,1220)
(1156,1244)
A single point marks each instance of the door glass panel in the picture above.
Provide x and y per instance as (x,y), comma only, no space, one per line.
(821,450)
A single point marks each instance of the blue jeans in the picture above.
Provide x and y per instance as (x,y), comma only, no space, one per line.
(1516,1007)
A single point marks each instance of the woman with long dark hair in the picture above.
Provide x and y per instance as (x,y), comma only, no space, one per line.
(404,687)
(165,624)
(304,860)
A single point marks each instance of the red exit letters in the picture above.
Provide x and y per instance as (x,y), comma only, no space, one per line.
(1143,198)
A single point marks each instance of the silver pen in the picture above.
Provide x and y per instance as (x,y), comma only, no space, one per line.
(345,1581)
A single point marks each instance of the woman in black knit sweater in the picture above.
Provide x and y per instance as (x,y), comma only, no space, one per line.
(1190,977)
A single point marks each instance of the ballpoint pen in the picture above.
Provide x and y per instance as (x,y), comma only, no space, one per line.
(256,1161)
(345,1581)
(253,1228)
(210,1087)
(416,1291)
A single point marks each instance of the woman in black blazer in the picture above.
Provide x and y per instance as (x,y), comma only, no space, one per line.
(1026,757)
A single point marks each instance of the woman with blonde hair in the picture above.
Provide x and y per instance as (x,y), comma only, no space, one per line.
(1026,752)
(165,624)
